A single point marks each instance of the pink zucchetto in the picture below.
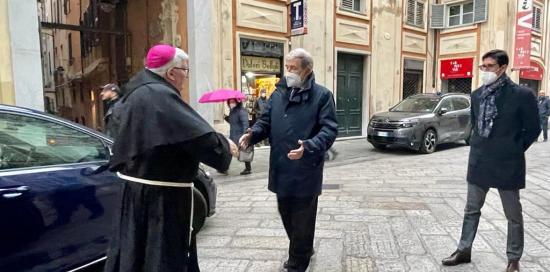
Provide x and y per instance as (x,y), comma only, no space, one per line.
(159,55)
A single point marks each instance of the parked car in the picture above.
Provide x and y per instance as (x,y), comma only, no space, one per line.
(421,122)
(57,206)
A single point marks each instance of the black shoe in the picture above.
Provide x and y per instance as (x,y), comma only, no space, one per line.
(246,172)
(223,172)
(513,266)
(285,264)
(458,257)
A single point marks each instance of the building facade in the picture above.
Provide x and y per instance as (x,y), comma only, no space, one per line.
(370,53)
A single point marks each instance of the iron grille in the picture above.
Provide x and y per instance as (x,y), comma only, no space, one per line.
(460,85)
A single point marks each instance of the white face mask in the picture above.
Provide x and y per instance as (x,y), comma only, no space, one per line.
(488,77)
(232,105)
(293,80)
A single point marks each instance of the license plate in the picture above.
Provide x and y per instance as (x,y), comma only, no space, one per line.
(383,133)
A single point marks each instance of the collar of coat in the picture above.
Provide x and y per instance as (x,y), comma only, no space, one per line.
(299,94)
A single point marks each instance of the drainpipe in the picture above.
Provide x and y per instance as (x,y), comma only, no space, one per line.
(434,64)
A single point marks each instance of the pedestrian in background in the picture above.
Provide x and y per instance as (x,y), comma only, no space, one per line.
(505,123)
(157,152)
(238,124)
(110,94)
(544,112)
(259,106)
(300,122)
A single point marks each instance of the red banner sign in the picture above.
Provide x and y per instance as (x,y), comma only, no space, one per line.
(524,23)
(457,68)
(535,73)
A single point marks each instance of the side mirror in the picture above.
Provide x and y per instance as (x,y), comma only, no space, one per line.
(443,111)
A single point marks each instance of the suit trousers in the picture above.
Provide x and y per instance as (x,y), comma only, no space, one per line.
(512,210)
(298,216)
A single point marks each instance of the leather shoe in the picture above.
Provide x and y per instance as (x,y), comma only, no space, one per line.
(513,266)
(458,257)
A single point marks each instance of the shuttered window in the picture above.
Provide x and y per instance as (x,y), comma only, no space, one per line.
(352,5)
(415,13)
(463,13)
(537,18)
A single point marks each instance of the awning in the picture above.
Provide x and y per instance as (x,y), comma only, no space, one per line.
(457,68)
(535,73)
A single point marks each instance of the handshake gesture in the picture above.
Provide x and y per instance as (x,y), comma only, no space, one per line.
(295,154)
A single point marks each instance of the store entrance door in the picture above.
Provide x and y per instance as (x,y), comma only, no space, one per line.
(349,94)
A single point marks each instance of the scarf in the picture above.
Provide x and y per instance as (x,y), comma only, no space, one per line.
(488,108)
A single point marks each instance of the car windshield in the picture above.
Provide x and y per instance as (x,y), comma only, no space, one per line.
(416,104)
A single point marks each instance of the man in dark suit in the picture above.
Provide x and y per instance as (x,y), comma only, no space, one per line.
(505,123)
(544,112)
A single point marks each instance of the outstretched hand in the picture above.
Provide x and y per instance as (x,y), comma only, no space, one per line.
(297,154)
(244,141)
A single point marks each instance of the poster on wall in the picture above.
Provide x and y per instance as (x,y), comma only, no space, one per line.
(268,84)
(298,17)
(522,46)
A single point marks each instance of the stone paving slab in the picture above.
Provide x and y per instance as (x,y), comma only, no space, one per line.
(388,211)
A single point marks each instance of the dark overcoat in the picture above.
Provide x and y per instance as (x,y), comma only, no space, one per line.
(499,160)
(306,114)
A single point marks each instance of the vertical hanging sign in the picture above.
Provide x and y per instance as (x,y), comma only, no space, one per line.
(522,45)
(298,17)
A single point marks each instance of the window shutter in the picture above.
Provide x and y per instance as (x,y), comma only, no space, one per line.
(537,18)
(410,12)
(347,4)
(480,11)
(420,14)
(437,18)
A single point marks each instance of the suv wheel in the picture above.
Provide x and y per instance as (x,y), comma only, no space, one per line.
(429,142)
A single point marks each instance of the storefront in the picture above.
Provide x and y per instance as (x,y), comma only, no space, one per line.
(261,68)
(532,78)
(456,75)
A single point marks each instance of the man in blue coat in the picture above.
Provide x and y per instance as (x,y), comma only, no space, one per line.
(544,112)
(505,123)
(300,122)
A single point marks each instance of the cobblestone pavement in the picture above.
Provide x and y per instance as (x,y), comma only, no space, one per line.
(379,211)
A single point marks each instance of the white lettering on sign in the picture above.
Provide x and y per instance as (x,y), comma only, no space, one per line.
(524,20)
(297,8)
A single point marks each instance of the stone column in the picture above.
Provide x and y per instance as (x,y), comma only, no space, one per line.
(201,53)
(25,53)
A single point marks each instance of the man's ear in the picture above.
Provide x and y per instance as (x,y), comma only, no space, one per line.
(170,74)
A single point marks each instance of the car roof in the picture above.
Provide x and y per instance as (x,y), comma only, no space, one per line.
(21,110)
(438,95)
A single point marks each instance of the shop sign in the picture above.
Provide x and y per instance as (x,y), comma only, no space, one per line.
(298,17)
(534,73)
(457,68)
(261,48)
(522,45)
(258,64)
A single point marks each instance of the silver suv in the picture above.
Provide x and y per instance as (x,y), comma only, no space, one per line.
(422,121)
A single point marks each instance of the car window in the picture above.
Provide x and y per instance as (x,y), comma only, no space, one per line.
(416,104)
(460,103)
(447,103)
(27,142)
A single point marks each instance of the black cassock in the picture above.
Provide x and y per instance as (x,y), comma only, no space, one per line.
(161,139)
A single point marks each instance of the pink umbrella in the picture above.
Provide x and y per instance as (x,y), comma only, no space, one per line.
(221,95)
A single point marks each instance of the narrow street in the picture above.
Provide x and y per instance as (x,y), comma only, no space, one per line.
(380,211)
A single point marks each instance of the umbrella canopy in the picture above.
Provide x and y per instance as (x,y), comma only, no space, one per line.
(221,95)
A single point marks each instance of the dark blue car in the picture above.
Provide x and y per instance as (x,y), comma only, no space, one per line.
(56,203)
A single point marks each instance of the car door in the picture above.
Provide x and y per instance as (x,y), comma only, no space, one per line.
(462,107)
(447,120)
(57,212)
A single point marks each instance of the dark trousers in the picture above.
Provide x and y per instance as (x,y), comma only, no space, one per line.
(299,215)
(248,165)
(512,211)
(544,126)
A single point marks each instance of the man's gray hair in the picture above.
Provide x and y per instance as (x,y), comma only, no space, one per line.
(176,61)
(305,58)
